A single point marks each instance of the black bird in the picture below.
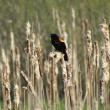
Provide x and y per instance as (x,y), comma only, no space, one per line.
(59,44)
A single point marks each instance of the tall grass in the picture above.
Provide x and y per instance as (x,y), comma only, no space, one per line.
(50,83)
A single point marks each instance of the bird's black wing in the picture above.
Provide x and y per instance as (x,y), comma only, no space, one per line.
(60,46)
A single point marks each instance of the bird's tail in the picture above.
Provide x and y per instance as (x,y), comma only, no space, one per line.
(65,56)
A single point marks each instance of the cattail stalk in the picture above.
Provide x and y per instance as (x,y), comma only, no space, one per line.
(28,54)
(90,76)
(53,92)
(96,75)
(17,85)
(105,64)
(6,82)
(104,78)
(29,83)
(38,75)
(24,99)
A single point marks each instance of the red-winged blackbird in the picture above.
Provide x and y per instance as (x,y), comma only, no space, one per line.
(59,44)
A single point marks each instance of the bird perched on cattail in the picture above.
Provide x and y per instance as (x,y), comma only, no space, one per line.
(59,44)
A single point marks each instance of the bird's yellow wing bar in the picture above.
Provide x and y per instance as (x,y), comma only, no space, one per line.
(61,39)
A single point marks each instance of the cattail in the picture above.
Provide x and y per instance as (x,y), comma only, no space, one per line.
(16,95)
(12,40)
(56,56)
(105,57)
(90,75)
(16,72)
(28,31)
(89,43)
(3,56)
(64,71)
(12,54)
(29,84)
(38,41)
(12,49)
(17,62)
(104,76)
(28,48)
(28,54)
(106,41)
(16,89)
(46,66)
(37,109)
(37,71)
(38,49)
(95,56)
(33,43)
(75,77)
(24,94)
(6,82)
(104,66)
(73,16)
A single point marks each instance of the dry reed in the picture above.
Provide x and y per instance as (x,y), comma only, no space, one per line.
(42,89)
